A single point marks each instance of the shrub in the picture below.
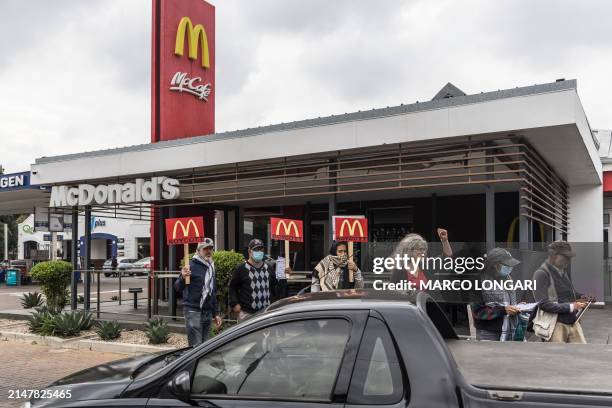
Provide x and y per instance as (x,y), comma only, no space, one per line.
(38,320)
(215,331)
(54,277)
(157,331)
(80,299)
(109,330)
(30,300)
(114,298)
(86,320)
(225,263)
(65,324)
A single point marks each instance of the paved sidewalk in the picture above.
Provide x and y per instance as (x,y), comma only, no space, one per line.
(26,366)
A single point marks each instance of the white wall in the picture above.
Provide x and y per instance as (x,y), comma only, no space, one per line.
(585,233)
(129,230)
(585,214)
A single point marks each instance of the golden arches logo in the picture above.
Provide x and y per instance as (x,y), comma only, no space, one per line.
(195,36)
(287,228)
(185,228)
(351,228)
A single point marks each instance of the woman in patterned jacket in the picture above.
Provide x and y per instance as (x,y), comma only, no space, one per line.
(332,272)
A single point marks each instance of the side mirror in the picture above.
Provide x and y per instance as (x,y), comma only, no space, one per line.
(180,386)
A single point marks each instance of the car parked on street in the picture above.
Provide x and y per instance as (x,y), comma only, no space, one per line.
(141,267)
(124,265)
(347,349)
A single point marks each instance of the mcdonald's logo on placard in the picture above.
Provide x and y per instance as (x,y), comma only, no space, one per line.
(196,36)
(286,229)
(184,230)
(354,229)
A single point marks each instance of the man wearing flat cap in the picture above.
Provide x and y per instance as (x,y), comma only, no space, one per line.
(556,294)
(200,296)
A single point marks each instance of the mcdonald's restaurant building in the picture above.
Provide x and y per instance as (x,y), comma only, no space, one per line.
(516,166)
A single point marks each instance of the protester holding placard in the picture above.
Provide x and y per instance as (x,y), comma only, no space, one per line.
(254,284)
(200,295)
(332,272)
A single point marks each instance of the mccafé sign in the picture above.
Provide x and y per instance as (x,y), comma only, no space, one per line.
(182,69)
(196,40)
(156,189)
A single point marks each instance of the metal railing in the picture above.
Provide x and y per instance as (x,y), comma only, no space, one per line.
(107,287)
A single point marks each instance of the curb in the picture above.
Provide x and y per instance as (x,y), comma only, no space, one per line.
(84,343)
(51,341)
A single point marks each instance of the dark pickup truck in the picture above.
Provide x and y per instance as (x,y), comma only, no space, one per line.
(348,349)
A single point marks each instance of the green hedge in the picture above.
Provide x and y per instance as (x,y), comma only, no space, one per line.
(54,277)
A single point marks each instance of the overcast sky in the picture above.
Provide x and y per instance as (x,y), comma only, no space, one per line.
(75,74)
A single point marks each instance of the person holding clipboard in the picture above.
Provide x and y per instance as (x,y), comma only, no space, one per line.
(560,305)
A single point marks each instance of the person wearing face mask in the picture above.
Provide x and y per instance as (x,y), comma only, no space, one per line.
(332,272)
(555,294)
(496,316)
(200,296)
(253,285)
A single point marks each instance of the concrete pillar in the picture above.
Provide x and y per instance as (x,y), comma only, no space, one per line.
(585,234)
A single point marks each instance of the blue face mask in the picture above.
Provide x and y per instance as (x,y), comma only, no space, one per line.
(505,270)
(258,256)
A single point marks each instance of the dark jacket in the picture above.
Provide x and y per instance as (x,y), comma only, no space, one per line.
(192,293)
(240,290)
(566,294)
(489,318)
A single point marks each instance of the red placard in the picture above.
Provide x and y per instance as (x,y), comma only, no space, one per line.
(287,229)
(352,229)
(184,230)
(183,69)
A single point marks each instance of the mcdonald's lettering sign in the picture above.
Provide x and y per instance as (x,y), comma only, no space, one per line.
(184,230)
(354,229)
(286,229)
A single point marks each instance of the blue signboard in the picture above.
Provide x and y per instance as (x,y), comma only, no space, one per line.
(15,181)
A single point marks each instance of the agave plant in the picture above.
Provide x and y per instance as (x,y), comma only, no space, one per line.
(67,324)
(86,320)
(109,330)
(31,299)
(37,320)
(157,331)
(156,321)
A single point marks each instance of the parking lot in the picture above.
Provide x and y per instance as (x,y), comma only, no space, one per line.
(109,287)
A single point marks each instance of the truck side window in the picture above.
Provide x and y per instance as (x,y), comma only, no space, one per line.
(293,360)
(377,376)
